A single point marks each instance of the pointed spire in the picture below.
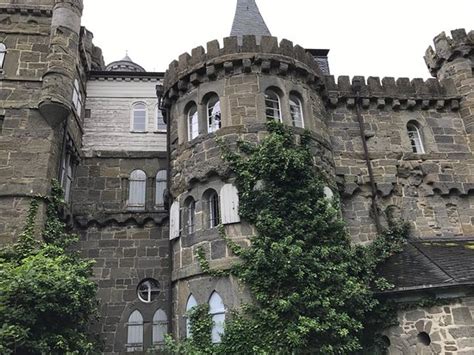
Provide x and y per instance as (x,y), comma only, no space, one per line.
(248,20)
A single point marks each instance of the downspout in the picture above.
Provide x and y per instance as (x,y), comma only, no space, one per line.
(357,87)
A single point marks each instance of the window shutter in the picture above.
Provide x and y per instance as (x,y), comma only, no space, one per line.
(229,204)
(174,220)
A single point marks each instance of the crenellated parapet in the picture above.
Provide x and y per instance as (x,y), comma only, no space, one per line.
(398,94)
(446,49)
(269,56)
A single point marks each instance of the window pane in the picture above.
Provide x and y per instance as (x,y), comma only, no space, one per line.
(415,139)
(193,123)
(135,332)
(272,106)
(160,123)
(218,327)
(160,326)
(137,193)
(160,188)
(189,305)
(296,111)
(214,114)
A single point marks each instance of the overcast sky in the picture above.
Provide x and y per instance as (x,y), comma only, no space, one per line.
(365,37)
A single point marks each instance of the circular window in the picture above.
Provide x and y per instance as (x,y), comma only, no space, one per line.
(424,338)
(148,290)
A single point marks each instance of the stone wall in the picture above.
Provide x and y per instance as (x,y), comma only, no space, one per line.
(449,327)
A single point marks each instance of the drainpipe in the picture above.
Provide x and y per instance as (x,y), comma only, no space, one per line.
(357,86)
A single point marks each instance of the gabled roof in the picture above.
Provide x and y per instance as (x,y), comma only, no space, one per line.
(248,20)
(431,264)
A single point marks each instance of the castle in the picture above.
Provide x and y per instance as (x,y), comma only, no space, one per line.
(145,185)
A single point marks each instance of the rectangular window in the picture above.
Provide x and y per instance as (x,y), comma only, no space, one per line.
(160,123)
(77,98)
(67,169)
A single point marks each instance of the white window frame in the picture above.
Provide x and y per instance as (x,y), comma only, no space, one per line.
(160,327)
(150,287)
(269,105)
(192,119)
(214,116)
(296,108)
(134,203)
(160,127)
(213,209)
(132,117)
(77,97)
(135,322)
(3,54)
(190,304)
(67,175)
(161,181)
(414,136)
(217,311)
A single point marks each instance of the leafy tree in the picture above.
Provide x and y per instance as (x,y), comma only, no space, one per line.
(47,299)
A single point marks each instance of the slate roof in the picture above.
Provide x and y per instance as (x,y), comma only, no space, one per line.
(428,264)
(248,20)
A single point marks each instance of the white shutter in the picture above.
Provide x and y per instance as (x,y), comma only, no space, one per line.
(174,220)
(229,204)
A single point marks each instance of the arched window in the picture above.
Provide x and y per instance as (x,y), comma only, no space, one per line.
(193,122)
(139,117)
(160,327)
(415,138)
(189,305)
(3,52)
(296,111)
(160,188)
(217,312)
(211,208)
(272,105)
(213,114)
(135,332)
(137,190)
(160,122)
(77,97)
(190,215)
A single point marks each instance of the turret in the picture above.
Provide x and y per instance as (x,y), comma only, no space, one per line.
(58,81)
(228,92)
(452,59)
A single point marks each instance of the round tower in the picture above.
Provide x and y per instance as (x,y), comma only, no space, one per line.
(452,59)
(228,93)
(58,81)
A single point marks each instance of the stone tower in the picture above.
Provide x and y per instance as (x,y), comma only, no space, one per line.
(453,58)
(228,92)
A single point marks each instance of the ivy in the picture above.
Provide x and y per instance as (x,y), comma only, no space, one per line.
(314,291)
(47,299)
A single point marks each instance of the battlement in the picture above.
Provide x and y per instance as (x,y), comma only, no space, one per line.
(461,44)
(266,52)
(34,10)
(399,93)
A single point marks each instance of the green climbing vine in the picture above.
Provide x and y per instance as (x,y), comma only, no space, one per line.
(314,292)
(47,299)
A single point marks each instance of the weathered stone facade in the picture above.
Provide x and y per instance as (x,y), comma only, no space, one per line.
(60,105)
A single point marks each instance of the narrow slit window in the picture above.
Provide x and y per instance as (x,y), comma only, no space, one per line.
(139,118)
(193,123)
(190,216)
(296,111)
(2,121)
(135,332)
(213,114)
(77,97)
(137,190)
(415,139)
(212,212)
(272,106)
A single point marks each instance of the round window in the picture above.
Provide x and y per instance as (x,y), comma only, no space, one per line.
(148,290)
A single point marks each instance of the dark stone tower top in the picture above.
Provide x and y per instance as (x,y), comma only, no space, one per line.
(248,20)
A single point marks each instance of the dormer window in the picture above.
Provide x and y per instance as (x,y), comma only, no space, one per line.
(3,53)
(272,105)
(213,114)
(77,97)
(139,117)
(415,138)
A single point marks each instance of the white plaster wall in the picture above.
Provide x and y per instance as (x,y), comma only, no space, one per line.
(109,126)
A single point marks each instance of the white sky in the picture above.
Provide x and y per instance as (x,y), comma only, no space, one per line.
(366,37)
